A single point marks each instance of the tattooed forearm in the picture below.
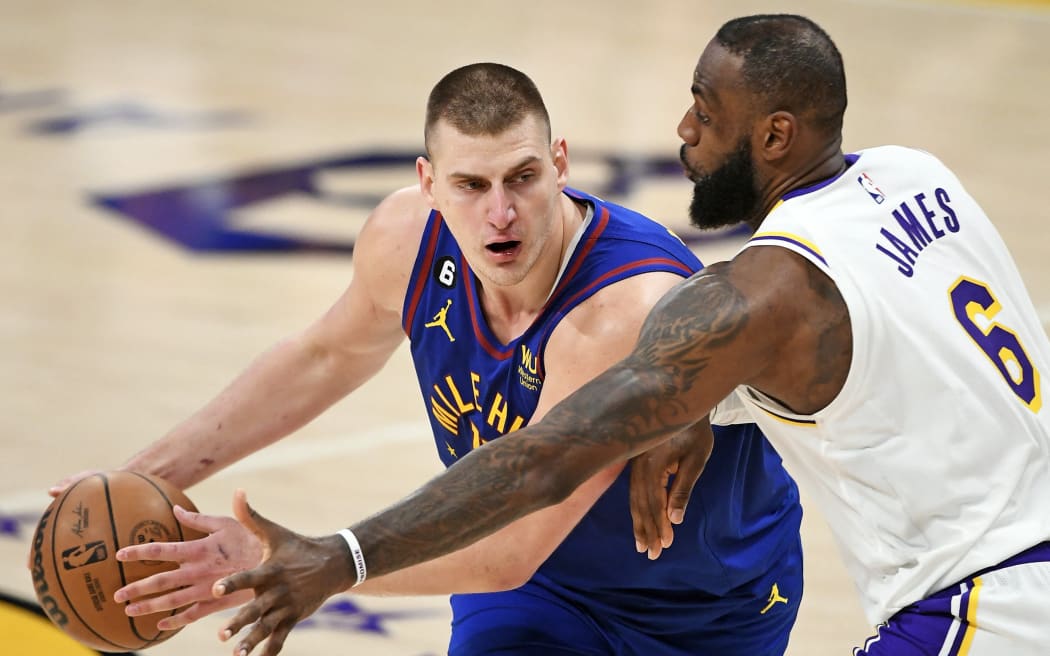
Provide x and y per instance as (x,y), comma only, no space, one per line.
(654,393)
(537,466)
(459,507)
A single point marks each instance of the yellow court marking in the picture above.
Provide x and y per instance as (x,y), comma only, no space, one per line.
(25,632)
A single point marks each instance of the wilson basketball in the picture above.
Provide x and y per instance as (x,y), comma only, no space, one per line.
(75,570)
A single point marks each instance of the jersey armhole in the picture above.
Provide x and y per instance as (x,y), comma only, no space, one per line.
(421,269)
(794,243)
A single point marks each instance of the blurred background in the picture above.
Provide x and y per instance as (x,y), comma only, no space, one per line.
(181,185)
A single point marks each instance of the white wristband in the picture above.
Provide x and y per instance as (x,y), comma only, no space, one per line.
(355,553)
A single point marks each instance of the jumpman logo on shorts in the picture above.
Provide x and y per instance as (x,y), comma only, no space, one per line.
(439,320)
(774,597)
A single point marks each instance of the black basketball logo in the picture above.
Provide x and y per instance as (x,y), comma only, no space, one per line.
(84,554)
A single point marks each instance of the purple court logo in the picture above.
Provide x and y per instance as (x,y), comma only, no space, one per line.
(203,215)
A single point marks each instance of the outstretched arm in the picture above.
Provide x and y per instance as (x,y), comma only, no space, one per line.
(298,378)
(697,344)
(733,323)
(584,343)
(683,364)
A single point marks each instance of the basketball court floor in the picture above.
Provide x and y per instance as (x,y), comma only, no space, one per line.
(181,184)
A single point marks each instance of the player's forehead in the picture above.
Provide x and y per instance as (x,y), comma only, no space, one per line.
(455,152)
(529,126)
(717,76)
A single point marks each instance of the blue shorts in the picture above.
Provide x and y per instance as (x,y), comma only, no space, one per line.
(752,620)
(1003,610)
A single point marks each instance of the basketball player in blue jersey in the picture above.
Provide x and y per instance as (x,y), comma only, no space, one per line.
(515,290)
(876,328)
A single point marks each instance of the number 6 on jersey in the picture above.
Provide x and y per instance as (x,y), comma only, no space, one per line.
(973,301)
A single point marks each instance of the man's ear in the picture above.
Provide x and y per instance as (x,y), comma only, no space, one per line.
(560,155)
(777,136)
(425,171)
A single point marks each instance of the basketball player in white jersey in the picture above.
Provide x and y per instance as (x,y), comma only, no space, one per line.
(874,326)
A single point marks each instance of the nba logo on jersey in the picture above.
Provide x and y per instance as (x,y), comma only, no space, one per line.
(869,186)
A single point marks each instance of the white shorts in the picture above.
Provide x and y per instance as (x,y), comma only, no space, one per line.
(1002,611)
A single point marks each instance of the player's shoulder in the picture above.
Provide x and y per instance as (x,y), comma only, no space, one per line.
(770,286)
(611,212)
(897,156)
(634,234)
(627,302)
(386,247)
(605,325)
(396,222)
(403,209)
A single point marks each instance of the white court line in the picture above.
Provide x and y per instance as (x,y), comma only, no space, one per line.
(283,454)
(297,452)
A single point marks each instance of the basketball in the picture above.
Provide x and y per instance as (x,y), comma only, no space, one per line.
(74,565)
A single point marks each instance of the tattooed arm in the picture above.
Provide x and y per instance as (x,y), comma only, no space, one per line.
(638,403)
(727,325)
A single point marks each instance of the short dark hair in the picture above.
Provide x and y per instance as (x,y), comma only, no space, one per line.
(789,63)
(484,99)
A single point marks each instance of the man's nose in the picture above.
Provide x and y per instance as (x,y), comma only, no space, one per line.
(500,211)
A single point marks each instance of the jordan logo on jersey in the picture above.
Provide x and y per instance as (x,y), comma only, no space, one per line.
(440,320)
(774,597)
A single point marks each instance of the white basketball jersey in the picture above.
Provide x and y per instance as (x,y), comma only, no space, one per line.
(934,460)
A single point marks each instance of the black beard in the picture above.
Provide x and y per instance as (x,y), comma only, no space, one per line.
(728,195)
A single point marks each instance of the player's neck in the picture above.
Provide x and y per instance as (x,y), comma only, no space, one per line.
(511,310)
(829,164)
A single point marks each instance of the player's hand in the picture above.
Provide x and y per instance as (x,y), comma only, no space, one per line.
(60,487)
(296,576)
(654,506)
(228,548)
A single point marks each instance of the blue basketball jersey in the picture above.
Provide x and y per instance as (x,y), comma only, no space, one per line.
(744,512)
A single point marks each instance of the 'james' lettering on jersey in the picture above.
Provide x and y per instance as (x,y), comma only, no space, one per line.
(909,236)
